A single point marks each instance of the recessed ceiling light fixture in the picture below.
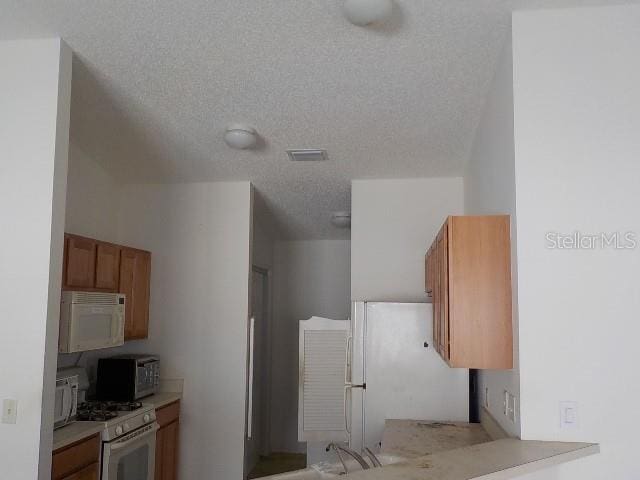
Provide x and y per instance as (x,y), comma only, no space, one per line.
(341,219)
(366,12)
(307,155)
(240,136)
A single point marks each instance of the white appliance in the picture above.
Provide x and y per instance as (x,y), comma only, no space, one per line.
(91,320)
(66,400)
(129,445)
(386,367)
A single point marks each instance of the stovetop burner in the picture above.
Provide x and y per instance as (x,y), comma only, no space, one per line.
(99,411)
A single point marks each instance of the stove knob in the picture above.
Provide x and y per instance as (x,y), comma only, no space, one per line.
(146,418)
(119,430)
(126,427)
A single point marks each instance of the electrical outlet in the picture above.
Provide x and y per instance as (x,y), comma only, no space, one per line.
(505,403)
(9,410)
(509,406)
(569,415)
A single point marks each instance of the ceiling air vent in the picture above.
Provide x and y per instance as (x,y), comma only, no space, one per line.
(307,155)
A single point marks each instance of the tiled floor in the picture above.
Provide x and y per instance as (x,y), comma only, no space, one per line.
(278,463)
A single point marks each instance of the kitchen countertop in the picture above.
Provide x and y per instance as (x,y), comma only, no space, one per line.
(496,460)
(416,438)
(160,399)
(77,431)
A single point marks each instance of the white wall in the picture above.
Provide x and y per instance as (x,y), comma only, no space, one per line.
(577,144)
(92,209)
(93,198)
(199,236)
(263,246)
(262,255)
(310,278)
(393,223)
(35,88)
(489,188)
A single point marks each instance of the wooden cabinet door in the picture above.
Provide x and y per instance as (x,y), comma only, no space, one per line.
(170,452)
(107,266)
(78,461)
(79,263)
(135,274)
(436,296)
(428,272)
(160,436)
(166,466)
(444,296)
(166,452)
(90,472)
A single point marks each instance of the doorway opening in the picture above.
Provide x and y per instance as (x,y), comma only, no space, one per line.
(292,279)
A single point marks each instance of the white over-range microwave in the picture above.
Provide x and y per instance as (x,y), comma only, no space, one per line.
(91,320)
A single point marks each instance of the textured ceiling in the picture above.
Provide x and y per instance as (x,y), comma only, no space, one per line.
(156,82)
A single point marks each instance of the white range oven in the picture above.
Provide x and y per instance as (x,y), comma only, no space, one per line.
(128,438)
(132,455)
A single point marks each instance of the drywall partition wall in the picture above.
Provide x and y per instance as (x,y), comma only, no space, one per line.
(393,223)
(199,236)
(92,209)
(93,198)
(576,121)
(35,88)
(489,189)
(262,253)
(310,278)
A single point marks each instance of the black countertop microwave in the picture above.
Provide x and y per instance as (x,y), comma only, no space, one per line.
(127,378)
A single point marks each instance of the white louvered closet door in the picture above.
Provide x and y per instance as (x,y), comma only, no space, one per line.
(322,378)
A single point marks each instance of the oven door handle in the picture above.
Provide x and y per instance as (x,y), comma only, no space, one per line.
(114,447)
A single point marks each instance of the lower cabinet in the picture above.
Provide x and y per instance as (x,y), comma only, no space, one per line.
(78,461)
(167,442)
(90,472)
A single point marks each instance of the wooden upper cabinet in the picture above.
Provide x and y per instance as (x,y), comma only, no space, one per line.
(107,266)
(135,274)
(79,262)
(93,265)
(470,267)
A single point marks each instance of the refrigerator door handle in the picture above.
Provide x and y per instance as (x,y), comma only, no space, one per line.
(347,427)
(347,382)
(347,361)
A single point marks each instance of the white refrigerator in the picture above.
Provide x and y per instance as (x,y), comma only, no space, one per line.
(389,370)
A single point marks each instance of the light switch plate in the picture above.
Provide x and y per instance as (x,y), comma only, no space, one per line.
(9,410)
(569,419)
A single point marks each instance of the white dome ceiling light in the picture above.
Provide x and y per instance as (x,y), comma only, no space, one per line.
(341,219)
(365,12)
(240,136)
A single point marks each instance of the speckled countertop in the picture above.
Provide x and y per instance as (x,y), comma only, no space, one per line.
(416,438)
(496,460)
(74,432)
(161,399)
